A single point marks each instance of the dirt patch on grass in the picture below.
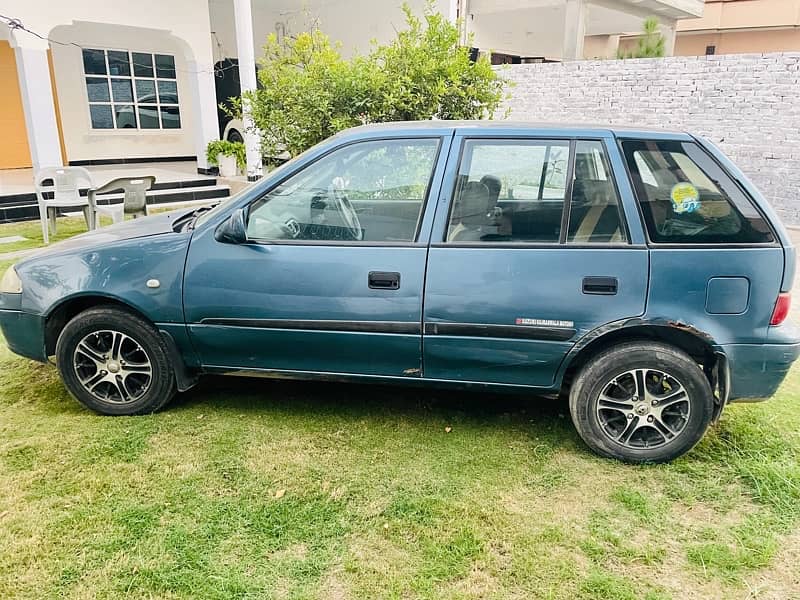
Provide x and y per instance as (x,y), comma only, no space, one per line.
(781,581)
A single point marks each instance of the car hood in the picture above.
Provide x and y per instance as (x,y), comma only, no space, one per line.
(127,230)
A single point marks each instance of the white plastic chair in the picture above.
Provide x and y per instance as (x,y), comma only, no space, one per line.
(65,189)
(134,199)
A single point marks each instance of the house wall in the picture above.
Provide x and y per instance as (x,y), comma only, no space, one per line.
(526,31)
(600,46)
(80,140)
(177,27)
(354,23)
(738,14)
(746,104)
(739,42)
(742,26)
(14,152)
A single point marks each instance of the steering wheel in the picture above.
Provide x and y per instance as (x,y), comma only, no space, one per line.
(346,210)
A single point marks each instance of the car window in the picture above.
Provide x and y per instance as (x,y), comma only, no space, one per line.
(367,191)
(687,198)
(231,200)
(645,174)
(510,191)
(594,215)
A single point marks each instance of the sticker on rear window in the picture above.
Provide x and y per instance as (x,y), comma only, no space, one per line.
(685,198)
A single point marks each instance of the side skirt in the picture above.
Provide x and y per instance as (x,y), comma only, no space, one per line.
(380,379)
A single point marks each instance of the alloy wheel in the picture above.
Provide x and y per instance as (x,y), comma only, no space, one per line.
(112,366)
(643,408)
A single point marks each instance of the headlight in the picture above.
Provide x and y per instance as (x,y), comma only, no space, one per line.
(11,283)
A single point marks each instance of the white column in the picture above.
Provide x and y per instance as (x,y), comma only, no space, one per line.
(204,103)
(574,29)
(37,101)
(668,31)
(449,8)
(242,12)
(463,13)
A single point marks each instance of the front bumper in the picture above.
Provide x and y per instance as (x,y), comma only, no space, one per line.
(24,333)
(757,370)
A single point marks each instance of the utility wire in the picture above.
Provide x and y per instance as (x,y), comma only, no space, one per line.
(16,25)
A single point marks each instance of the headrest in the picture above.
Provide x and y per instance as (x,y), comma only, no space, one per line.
(473,202)
(493,184)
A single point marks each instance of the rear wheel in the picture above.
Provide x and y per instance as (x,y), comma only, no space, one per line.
(641,402)
(114,362)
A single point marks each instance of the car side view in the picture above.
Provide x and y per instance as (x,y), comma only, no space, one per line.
(638,273)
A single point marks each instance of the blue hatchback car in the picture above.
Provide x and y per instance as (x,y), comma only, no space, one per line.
(639,273)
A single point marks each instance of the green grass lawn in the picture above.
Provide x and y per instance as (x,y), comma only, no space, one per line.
(32,230)
(259,489)
(66,227)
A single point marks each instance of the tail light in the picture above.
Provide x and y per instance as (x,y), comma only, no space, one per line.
(781,311)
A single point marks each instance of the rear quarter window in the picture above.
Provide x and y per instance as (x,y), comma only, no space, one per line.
(687,198)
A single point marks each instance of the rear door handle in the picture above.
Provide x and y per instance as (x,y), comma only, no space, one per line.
(603,286)
(383,280)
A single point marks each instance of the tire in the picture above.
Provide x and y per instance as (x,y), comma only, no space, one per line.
(672,417)
(115,363)
(235,136)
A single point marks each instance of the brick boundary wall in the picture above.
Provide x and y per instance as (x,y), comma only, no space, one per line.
(747,104)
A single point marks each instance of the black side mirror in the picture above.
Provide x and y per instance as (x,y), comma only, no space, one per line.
(234,230)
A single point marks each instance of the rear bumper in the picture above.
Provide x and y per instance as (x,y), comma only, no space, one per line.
(757,370)
(24,333)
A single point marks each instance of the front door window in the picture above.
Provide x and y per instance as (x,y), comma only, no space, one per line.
(371,191)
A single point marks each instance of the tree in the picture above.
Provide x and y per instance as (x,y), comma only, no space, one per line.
(650,44)
(307,91)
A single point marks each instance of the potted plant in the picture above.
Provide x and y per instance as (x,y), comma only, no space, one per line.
(229,157)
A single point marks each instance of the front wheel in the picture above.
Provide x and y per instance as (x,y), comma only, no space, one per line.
(114,362)
(641,402)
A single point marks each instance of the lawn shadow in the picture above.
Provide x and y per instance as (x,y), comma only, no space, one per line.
(364,401)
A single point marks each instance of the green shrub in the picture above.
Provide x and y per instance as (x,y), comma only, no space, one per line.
(650,44)
(307,91)
(226,148)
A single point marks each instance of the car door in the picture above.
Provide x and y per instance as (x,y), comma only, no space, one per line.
(530,251)
(330,279)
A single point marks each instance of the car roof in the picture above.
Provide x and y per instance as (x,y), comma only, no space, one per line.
(521,127)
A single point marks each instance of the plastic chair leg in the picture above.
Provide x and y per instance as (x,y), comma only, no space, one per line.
(87,215)
(43,217)
(51,217)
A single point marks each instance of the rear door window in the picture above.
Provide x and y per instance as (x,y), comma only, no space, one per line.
(687,198)
(510,191)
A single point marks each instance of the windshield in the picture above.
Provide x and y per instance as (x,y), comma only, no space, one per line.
(206,216)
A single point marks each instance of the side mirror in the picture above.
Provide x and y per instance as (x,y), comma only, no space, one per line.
(234,230)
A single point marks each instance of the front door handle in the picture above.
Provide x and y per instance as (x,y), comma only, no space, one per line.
(603,286)
(383,280)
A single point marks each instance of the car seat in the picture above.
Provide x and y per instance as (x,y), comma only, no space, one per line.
(470,213)
(600,222)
